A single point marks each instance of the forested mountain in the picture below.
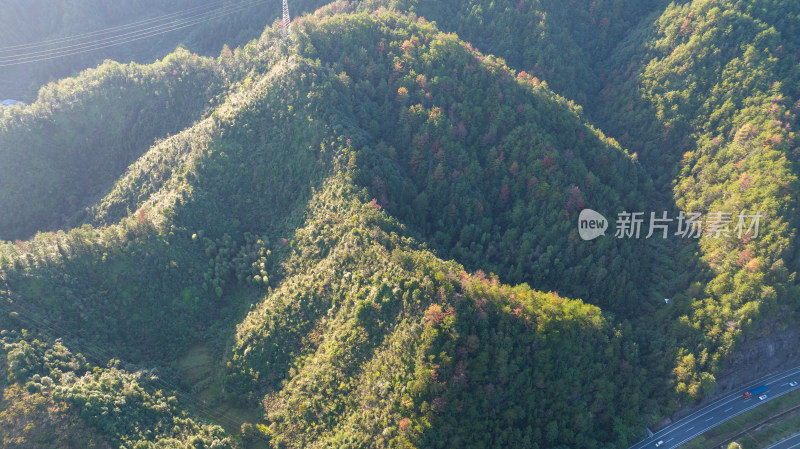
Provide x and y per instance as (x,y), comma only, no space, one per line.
(117,111)
(364,235)
(695,90)
(710,99)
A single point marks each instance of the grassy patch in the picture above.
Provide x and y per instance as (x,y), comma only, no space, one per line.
(196,364)
(771,432)
(199,368)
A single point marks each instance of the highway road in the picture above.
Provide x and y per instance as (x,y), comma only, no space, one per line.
(720,411)
(793,442)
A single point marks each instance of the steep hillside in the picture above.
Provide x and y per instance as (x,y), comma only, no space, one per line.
(60,154)
(311,228)
(370,341)
(494,180)
(704,92)
(562,43)
(319,214)
(707,96)
(35,420)
(496,183)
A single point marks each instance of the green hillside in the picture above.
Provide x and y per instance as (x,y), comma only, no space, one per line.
(365,235)
(64,152)
(704,93)
(286,130)
(709,102)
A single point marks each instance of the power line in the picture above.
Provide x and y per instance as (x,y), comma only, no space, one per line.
(105,30)
(114,38)
(125,38)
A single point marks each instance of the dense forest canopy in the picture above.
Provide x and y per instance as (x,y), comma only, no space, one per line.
(365,235)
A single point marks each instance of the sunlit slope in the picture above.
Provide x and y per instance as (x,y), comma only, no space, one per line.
(486,166)
(562,43)
(289,193)
(65,151)
(706,94)
(371,341)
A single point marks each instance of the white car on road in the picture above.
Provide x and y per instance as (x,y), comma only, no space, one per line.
(762,397)
(793,383)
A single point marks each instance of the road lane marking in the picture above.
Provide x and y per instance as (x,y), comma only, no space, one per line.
(733,397)
(690,428)
(709,419)
(729,409)
(789,440)
(725,419)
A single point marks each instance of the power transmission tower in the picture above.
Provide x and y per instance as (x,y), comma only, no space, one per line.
(286,22)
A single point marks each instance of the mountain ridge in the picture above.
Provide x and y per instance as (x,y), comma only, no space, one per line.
(328,184)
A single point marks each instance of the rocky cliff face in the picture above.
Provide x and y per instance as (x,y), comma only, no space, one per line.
(773,347)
